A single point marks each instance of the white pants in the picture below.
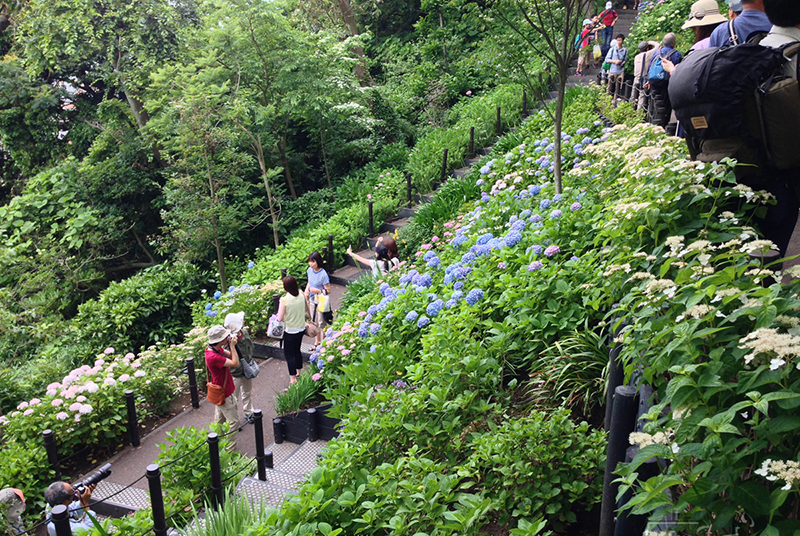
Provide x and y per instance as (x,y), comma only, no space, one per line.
(244,387)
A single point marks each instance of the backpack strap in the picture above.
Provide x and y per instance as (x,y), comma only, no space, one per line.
(732,33)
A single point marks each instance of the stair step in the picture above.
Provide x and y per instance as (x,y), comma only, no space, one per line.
(424,198)
(346,275)
(262,492)
(394,225)
(366,253)
(372,242)
(461,173)
(406,212)
(469,162)
(485,151)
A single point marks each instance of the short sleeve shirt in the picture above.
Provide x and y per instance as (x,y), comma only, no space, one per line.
(318,279)
(215,362)
(608,18)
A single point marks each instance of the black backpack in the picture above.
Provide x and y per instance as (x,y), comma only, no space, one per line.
(717,95)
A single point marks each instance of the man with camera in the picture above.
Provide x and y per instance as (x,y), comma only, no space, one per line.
(77,503)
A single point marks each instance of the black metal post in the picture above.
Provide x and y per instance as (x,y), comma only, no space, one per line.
(623,421)
(497,125)
(216,470)
(408,189)
(52,451)
(268,459)
(156,500)
(313,432)
(277,431)
(444,166)
(192,382)
(472,142)
(541,86)
(60,516)
(616,375)
(283,272)
(324,253)
(133,420)
(258,425)
(371,223)
(330,252)
(524,102)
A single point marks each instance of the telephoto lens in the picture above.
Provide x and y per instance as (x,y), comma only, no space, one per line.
(94,478)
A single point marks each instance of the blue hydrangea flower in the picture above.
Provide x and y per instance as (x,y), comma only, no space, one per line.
(536,248)
(320,364)
(411,316)
(434,262)
(423,321)
(513,238)
(485,170)
(475,295)
(209,306)
(519,225)
(250,265)
(479,182)
(574,258)
(575,206)
(212,314)
(457,295)
(485,197)
(426,280)
(525,214)
(544,204)
(484,238)
(313,357)
(468,257)
(556,198)
(231,288)
(385,288)
(372,310)
(374,329)
(458,241)
(217,295)
(535,218)
(458,285)
(363,332)
(434,307)
(502,265)
(367,319)
(448,279)
(556,214)
(535,265)
(450,303)
(373,349)
(428,256)
(389,316)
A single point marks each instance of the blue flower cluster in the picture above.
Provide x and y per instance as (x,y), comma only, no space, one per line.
(411,316)
(556,214)
(434,262)
(250,265)
(468,257)
(513,238)
(484,238)
(458,241)
(423,321)
(450,303)
(518,225)
(544,204)
(363,331)
(525,214)
(475,295)
(209,306)
(217,295)
(374,329)
(434,308)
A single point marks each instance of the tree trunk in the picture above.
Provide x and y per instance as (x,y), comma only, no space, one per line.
(360,70)
(324,156)
(142,117)
(258,148)
(444,47)
(217,242)
(559,115)
(284,160)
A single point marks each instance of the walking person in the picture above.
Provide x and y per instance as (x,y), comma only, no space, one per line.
(584,47)
(219,362)
(385,260)
(243,387)
(608,18)
(640,63)
(319,283)
(617,57)
(292,312)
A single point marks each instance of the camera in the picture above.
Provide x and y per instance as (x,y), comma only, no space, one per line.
(79,487)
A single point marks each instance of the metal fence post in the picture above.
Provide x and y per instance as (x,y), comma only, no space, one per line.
(268,459)
(258,425)
(472,142)
(371,223)
(498,126)
(616,375)
(192,382)
(313,432)
(277,431)
(133,420)
(216,470)
(524,102)
(60,516)
(51,447)
(330,252)
(156,500)
(408,189)
(325,253)
(283,272)
(444,166)
(623,421)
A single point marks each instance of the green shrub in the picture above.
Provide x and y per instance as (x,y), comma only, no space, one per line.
(150,307)
(24,466)
(256,301)
(305,389)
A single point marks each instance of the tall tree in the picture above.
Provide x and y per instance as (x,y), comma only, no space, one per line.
(549,28)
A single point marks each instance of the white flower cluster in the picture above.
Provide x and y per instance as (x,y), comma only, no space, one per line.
(788,471)
(769,341)
(618,268)
(667,286)
(642,439)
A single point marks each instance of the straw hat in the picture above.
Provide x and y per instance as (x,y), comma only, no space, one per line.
(217,334)
(704,13)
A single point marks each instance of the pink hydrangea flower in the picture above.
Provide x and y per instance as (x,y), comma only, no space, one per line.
(316,377)
(61,415)
(129,355)
(469,92)
(35,402)
(22,405)
(434,239)
(362,313)
(124,378)
(108,351)
(75,406)
(425,246)
(56,402)
(138,373)
(28,411)
(345,352)
(81,399)
(330,359)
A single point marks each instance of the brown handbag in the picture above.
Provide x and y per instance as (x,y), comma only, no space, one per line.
(214,393)
(311,329)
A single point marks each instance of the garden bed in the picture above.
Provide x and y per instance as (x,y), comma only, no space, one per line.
(295,425)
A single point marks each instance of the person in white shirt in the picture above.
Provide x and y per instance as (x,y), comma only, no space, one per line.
(785,17)
(384,260)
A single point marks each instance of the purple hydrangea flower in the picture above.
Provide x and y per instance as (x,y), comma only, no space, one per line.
(373,349)
(575,206)
(525,214)
(556,214)
(450,303)
(363,331)
(320,364)
(374,329)
(484,238)
(519,225)
(502,265)
(536,248)
(544,204)
(479,182)
(535,218)
(485,170)
(535,265)
(574,258)
(513,238)
(423,321)
(552,250)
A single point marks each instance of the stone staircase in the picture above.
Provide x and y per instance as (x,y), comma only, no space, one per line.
(292,463)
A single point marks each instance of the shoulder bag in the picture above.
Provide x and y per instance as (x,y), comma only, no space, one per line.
(250,369)
(214,393)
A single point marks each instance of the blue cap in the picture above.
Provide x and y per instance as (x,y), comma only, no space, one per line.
(735,6)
